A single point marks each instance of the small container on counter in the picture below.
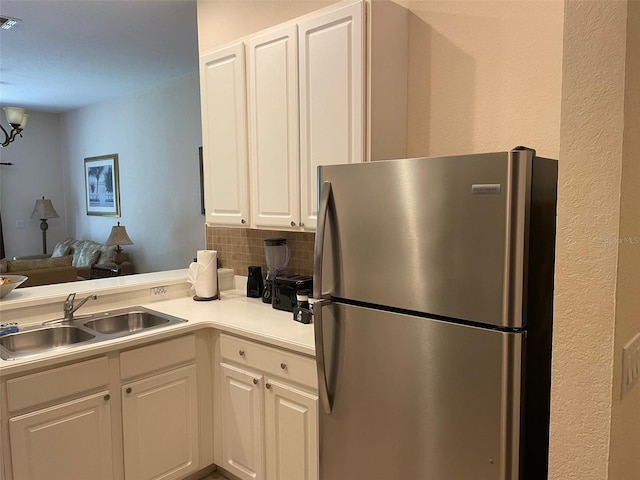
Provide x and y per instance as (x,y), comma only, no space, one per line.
(255,284)
(301,312)
(7,328)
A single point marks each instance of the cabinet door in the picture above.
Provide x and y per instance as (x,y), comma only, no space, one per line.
(70,441)
(272,60)
(242,422)
(291,427)
(332,93)
(160,425)
(224,136)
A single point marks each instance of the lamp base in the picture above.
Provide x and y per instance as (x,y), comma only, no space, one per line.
(44,226)
(120,256)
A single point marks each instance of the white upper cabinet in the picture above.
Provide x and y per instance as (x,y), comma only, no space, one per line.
(323,89)
(224,136)
(332,92)
(272,65)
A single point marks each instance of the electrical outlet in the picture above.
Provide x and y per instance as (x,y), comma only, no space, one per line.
(19,223)
(159,293)
(630,364)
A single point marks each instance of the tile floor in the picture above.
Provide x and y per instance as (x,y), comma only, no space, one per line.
(214,476)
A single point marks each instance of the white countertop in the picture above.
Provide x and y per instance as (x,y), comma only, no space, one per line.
(233,313)
(249,317)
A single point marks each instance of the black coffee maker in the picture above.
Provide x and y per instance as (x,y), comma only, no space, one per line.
(276,252)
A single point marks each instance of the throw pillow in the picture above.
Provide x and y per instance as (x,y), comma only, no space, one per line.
(107,254)
(60,250)
(87,256)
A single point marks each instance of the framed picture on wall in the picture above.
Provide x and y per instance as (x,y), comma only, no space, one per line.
(102,186)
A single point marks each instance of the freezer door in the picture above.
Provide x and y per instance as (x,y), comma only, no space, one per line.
(444,236)
(414,398)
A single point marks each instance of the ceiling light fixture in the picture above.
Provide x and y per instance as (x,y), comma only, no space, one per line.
(17,118)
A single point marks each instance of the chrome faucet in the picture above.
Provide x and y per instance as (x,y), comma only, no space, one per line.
(69,309)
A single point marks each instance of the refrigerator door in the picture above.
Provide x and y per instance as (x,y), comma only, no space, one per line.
(444,236)
(415,398)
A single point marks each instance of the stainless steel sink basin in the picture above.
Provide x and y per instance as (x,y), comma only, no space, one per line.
(93,329)
(127,322)
(43,339)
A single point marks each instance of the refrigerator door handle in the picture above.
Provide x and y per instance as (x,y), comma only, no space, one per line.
(323,388)
(318,254)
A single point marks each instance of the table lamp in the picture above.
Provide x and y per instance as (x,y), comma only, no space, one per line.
(117,237)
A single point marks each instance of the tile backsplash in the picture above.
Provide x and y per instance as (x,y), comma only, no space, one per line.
(238,248)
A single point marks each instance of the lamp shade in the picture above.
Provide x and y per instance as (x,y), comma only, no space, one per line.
(14,115)
(44,209)
(118,236)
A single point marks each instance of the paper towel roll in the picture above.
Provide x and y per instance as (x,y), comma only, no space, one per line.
(204,274)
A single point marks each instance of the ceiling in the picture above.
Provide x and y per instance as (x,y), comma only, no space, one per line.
(66,54)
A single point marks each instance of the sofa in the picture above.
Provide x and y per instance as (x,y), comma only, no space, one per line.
(41,271)
(69,261)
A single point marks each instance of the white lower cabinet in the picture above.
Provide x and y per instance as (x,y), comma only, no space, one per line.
(68,423)
(242,422)
(59,423)
(69,441)
(160,425)
(291,432)
(268,412)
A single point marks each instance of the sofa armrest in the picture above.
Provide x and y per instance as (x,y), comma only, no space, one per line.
(33,257)
(48,276)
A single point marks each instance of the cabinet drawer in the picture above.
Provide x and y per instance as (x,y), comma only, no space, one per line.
(57,383)
(296,368)
(158,356)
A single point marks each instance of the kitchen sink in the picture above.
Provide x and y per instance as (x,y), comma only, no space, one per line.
(91,329)
(40,340)
(127,322)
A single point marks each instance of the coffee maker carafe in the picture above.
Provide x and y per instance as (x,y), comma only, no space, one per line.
(276,252)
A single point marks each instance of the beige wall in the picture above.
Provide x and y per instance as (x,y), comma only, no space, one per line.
(484,76)
(594,304)
(222,21)
(488,75)
(625,414)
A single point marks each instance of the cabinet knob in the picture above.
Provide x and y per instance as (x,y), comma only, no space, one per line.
(283,366)
(301,224)
(243,221)
(293,224)
(107,397)
(255,381)
(128,390)
(268,386)
(241,353)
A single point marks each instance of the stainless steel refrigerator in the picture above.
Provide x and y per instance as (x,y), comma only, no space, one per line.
(433,335)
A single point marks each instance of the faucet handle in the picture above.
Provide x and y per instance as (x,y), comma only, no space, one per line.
(68,303)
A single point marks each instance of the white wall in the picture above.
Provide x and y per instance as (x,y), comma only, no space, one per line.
(37,172)
(156,133)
